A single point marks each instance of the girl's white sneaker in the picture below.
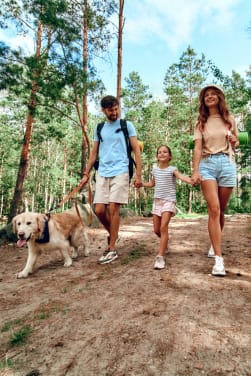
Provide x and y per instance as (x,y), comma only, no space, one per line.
(219,269)
(159,262)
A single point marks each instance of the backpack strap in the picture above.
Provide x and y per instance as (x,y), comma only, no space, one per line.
(124,129)
(123,126)
(99,129)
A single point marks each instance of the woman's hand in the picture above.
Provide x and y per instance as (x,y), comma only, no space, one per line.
(195,178)
(233,139)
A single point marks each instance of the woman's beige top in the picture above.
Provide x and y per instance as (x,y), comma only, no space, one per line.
(214,136)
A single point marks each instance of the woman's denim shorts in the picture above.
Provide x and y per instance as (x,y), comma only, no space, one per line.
(219,167)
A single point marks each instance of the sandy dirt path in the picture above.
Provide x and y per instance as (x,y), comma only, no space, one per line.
(126,319)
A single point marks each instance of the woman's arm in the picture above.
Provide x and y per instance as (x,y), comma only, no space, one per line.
(233,134)
(196,178)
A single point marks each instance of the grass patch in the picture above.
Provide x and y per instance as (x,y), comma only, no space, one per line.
(42,315)
(7,363)
(19,338)
(10,324)
(135,254)
(44,312)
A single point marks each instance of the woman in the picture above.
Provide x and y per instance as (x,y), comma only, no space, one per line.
(215,138)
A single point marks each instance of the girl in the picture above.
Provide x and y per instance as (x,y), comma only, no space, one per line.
(215,138)
(164,204)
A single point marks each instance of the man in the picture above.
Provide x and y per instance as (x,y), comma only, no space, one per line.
(112,178)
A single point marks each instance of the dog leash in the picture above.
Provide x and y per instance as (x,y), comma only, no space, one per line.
(70,195)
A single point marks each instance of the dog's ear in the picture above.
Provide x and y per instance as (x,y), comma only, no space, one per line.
(14,224)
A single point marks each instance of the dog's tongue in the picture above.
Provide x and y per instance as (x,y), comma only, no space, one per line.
(21,243)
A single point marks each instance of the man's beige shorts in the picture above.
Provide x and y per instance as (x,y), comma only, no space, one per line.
(114,189)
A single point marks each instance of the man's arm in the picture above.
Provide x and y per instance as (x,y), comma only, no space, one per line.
(91,161)
(137,154)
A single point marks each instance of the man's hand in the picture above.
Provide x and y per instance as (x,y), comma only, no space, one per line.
(137,182)
(84,180)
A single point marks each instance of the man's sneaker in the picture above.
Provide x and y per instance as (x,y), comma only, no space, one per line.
(211,252)
(218,268)
(159,262)
(103,257)
(108,256)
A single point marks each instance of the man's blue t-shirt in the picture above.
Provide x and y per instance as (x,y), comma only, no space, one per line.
(113,159)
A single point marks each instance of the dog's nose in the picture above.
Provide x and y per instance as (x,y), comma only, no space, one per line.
(21,235)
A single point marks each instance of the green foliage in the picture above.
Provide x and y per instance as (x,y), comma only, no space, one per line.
(10,324)
(135,254)
(19,338)
(6,363)
(55,156)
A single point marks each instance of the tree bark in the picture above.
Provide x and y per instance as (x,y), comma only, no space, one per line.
(85,140)
(119,63)
(25,152)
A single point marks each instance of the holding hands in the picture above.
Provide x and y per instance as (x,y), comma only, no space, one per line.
(195,178)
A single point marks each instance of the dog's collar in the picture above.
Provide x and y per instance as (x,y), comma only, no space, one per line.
(45,235)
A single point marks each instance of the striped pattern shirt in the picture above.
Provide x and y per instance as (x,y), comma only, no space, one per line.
(165,183)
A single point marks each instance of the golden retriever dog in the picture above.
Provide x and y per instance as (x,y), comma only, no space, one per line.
(61,231)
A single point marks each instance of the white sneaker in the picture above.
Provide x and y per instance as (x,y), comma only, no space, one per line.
(159,262)
(211,252)
(219,268)
(108,257)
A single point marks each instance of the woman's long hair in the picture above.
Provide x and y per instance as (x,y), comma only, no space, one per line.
(204,112)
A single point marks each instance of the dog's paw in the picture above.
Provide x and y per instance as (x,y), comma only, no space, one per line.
(86,252)
(74,254)
(68,263)
(22,274)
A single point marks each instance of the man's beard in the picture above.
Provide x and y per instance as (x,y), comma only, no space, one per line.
(112,117)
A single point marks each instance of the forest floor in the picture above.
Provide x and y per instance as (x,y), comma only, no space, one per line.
(125,318)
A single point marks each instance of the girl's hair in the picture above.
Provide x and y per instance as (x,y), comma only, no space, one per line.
(204,112)
(167,147)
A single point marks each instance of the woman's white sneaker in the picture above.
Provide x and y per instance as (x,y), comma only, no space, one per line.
(219,268)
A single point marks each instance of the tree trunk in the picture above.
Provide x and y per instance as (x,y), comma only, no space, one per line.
(119,63)
(84,118)
(25,153)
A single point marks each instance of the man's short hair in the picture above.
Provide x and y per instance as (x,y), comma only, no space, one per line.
(109,101)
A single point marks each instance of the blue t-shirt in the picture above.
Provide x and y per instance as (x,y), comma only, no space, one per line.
(113,159)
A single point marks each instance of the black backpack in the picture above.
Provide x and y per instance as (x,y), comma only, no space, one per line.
(123,128)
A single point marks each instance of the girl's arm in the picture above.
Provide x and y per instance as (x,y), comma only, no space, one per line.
(182,177)
(149,184)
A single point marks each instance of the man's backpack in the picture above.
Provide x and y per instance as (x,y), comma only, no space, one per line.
(123,128)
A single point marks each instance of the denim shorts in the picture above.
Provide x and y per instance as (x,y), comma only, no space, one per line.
(219,167)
